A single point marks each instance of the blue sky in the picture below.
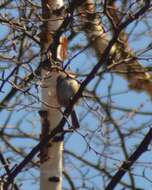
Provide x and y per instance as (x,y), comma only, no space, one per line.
(76,142)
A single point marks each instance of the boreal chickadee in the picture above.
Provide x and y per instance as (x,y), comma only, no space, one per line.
(67,87)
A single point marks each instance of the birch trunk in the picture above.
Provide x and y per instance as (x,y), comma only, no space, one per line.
(123,59)
(50,156)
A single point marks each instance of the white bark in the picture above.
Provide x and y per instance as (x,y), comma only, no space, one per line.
(93,28)
(51,165)
(137,76)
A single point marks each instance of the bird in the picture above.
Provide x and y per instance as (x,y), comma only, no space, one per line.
(66,88)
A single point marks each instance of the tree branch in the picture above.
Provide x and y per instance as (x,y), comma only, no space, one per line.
(143,147)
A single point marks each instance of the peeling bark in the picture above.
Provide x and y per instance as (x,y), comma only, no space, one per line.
(51,155)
